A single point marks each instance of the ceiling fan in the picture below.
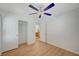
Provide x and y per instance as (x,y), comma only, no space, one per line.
(41,11)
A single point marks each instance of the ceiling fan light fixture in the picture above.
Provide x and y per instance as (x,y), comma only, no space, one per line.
(41,11)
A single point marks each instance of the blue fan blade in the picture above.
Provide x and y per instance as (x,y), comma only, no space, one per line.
(33,7)
(39,16)
(48,14)
(50,6)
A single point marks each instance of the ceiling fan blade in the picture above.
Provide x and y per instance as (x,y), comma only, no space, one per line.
(48,14)
(32,13)
(49,6)
(39,16)
(31,6)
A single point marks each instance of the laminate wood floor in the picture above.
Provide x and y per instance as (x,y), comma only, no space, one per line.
(38,49)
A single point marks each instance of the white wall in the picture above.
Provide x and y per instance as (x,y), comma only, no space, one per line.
(63,30)
(30,27)
(10,32)
(31,33)
(2,15)
(42,31)
(0,33)
(10,18)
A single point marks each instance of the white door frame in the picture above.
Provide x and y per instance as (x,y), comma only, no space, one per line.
(19,32)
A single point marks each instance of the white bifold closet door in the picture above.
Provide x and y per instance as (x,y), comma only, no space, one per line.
(22,29)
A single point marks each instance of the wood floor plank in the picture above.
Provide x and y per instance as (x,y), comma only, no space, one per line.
(38,49)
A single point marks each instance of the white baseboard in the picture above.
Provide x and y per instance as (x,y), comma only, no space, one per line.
(62,47)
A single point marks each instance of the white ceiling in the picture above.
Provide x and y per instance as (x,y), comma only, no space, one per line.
(22,9)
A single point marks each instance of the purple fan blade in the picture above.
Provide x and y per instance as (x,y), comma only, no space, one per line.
(31,6)
(48,14)
(49,6)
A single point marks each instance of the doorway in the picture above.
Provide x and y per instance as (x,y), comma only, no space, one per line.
(37,32)
(22,29)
